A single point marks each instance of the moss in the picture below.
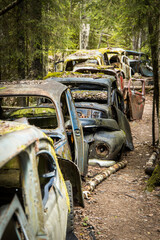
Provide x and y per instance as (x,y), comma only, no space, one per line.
(54,74)
(6,128)
(154,180)
(61,74)
(33,111)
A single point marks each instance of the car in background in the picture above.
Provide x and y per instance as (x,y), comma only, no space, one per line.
(118,59)
(81,56)
(34,202)
(140,63)
(134,98)
(100,107)
(99,71)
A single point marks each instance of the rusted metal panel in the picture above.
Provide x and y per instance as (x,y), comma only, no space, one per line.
(135,98)
(33,87)
(83,56)
(67,143)
(26,145)
(8,214)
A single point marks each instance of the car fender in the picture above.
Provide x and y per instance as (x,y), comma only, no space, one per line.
(70,172)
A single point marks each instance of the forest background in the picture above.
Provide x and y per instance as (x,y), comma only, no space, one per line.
(32,30)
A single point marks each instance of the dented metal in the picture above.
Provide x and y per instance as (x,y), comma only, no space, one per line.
(134,98)
(27,155)
(83,56)
(105,126)
(52,100)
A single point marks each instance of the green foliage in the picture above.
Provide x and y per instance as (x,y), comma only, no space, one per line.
(34,29)
(85,221)
(154,180)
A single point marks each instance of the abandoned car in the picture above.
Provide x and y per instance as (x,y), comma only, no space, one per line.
(34,202)
(90,68)
(100,108)
(119,61)
(81,56)
(140,63)
(134,98)
(50,107)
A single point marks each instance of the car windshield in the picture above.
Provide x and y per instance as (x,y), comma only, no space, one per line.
(38,111)
(72,63)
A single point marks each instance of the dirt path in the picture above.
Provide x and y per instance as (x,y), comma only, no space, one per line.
(120,208)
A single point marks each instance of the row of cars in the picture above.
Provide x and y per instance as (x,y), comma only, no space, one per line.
(51,130)
(126,62)
(131,69)
(33,198)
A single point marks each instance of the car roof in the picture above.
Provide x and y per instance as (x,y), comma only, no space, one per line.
(104,82)
(37,87)
(134,52)
(118,50)
(15,137)
(84,54)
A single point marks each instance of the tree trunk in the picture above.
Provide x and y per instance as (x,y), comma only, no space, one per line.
(91,185)
(153,33)
(37,46)
(159,75)
(20,42)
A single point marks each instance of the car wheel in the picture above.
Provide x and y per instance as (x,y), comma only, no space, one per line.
(70,221)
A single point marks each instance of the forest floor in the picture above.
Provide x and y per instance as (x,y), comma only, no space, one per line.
(120,208)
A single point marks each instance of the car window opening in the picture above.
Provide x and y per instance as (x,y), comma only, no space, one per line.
(38,111)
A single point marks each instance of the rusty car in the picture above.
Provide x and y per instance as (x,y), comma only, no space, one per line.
(119,60)
(50,107)
(134,98)
(81,56)
(34,201)
(100,107)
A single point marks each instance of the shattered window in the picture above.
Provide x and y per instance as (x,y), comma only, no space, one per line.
(38,111)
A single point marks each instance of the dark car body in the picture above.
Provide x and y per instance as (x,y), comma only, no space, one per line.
(99,104)
(86,68)
(140,63)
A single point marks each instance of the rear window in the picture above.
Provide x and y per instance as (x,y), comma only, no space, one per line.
(38,111)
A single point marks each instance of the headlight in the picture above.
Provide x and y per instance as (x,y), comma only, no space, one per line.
(102,150)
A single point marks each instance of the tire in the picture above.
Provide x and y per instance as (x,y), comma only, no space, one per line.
(70,221)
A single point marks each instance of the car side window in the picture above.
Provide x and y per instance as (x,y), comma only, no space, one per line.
(47,171)
(118,101)
(64,108)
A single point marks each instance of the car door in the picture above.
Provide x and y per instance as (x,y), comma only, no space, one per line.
(80,147)
(136,98)
(125,66)
(118,109)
